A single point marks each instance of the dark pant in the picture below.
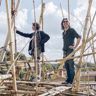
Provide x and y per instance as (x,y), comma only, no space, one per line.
(69,66)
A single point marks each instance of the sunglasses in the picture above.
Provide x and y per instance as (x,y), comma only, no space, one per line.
(65,21)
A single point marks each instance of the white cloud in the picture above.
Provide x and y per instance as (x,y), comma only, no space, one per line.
(50,8)
(52,21)
(21,18)
(3,28)
(82,3)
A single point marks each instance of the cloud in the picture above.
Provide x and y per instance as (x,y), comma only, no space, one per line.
(3,28)
(52,24)
(50,8)
(22,19)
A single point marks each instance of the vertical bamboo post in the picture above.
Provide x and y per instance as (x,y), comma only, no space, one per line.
(11,46)
(42,23)
(61,10)
(35,50)
(13,42)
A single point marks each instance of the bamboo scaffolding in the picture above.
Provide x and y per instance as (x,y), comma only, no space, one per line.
(76,82)
(46,83)
(86,39)
(63,60)
(7,38)
(13,43)
(18,92)
(56,60)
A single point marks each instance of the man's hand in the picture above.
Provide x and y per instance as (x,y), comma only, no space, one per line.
(71,47)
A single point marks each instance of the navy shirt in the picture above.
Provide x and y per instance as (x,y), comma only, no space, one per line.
(68,38)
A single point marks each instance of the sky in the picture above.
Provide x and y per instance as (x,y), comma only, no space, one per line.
(52,21)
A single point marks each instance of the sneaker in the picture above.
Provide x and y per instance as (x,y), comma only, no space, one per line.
(38,78)
(69,85)
(65,82)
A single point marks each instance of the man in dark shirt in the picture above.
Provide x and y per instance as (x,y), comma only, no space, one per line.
(69,36)
(41,39)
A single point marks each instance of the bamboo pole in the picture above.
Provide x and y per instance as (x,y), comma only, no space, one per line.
(41,22)
(11,46)
(35,50)
(61,10)
(12,92)
(76,82)
(69,10)
(57,60)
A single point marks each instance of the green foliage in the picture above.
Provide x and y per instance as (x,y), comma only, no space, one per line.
(21,56)
(8,56)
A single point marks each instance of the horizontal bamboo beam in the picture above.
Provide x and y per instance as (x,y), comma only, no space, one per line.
(57,60)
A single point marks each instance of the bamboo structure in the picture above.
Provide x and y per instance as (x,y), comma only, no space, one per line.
(35,88)
(77,76)
(41,22)
(7,37)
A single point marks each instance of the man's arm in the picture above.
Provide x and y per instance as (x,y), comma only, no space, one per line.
(24,34)
(77,42)
(76,45)
(78,37)
(44,37)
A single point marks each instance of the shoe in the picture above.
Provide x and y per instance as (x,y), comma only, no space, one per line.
(38,78)
(69,85)
(65,82)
